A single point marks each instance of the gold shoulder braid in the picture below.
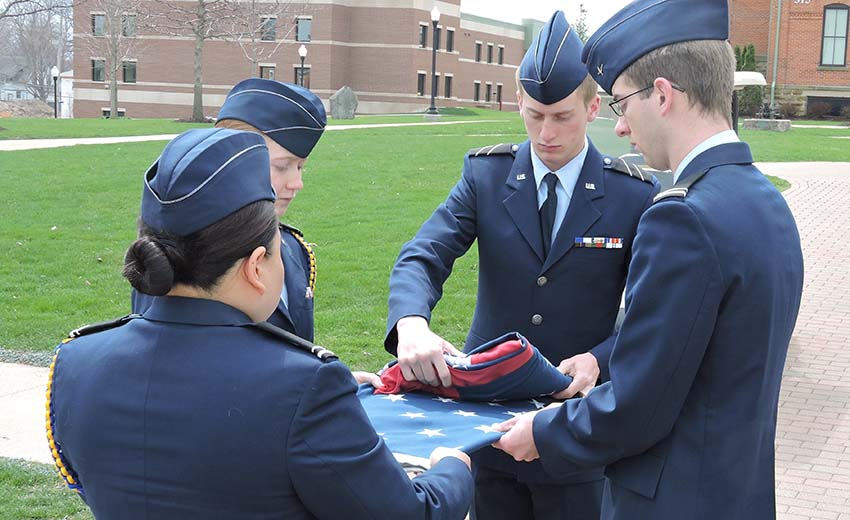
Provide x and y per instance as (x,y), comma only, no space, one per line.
(311,283)
(67,473)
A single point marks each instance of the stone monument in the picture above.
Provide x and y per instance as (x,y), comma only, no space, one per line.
(343,103)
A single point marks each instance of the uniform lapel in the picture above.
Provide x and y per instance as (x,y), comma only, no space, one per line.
(582,212)
(729,153)
(521,202)
(290,271)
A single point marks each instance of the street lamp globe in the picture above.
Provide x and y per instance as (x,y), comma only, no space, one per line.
(435,14)
(302,52)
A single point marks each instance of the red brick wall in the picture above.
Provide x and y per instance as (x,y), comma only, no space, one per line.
(750,23)
(375,51)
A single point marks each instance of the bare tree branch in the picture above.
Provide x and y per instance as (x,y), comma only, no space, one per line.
(19,8)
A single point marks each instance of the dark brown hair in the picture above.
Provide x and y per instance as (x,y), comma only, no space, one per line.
(158,260)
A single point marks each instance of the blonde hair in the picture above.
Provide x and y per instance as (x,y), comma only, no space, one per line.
(705,69)
(235,124)
(587,88)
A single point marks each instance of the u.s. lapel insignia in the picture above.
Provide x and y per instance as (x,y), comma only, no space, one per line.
(589,186)
(599,69)
(520,177)
(308,293)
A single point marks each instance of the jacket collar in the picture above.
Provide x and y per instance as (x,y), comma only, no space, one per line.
(724,154)
(195,311)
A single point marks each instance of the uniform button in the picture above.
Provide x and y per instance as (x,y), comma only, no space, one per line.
(536,319)
(542,281)
(514,147)
(607,160)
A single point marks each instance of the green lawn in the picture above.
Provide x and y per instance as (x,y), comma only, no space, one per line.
(32,128)
(35,492)
(799,144)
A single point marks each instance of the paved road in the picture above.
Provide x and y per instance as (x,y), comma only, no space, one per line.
(813,439)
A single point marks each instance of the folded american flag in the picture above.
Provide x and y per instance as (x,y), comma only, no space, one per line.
(508,367)
(494,382)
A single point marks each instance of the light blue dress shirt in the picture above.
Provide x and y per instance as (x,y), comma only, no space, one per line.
(567,177)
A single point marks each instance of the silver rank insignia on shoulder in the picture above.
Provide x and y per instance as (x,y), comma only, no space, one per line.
(589,186)
(599,242)
(520,177)
(308,293)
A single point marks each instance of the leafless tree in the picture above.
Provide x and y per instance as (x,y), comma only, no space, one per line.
(39,41)
(18,8)
(200,19)
(113,37)
(256,26)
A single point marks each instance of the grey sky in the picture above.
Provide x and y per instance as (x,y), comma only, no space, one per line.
(513,11)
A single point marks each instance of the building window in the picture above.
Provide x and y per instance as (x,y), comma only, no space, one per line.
(268,29)
(128,25)
(489,93)
(420,84)
(17,95)
(499,93)
(478,51)
(437,33)
(267,72)
(98,70)
(476,92)
(450,40)
(129,68)
(423,36)
(489,53)
(302,76)
(448,88)
(501,54)
(105,112)
(835,35)
(302,29)
(98,22)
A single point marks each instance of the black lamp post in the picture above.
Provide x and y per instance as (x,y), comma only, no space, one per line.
(302,52)
(435,17)
(54,72)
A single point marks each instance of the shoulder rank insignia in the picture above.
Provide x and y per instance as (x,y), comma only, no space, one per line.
(621,165)
(494,149)
(680,189)
(308,248)
(104,325)
(322,353)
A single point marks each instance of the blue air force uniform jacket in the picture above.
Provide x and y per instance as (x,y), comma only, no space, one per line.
(190,412)
(566,303)
(687,421)
(299,265)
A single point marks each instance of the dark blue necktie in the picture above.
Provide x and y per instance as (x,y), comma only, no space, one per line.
(547,211)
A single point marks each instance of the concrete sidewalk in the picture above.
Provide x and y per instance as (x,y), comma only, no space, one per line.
(813,435)
(34,144)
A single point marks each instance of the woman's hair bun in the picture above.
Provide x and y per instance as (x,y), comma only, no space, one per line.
(147,267)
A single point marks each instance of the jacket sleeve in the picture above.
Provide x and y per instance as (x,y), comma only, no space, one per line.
(341,468)
(602,351)
(425,262)
(673,294)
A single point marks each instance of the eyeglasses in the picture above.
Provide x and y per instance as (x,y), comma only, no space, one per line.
(618,109)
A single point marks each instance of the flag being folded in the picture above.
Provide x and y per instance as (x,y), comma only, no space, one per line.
(494,382)
(508,367)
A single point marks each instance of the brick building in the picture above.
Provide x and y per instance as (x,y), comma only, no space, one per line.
(380,48)
(809,66)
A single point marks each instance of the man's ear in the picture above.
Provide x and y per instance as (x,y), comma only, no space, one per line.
(251,269)
(593,109)
(665,94)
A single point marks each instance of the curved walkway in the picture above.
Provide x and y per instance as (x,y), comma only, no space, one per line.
(813,435)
